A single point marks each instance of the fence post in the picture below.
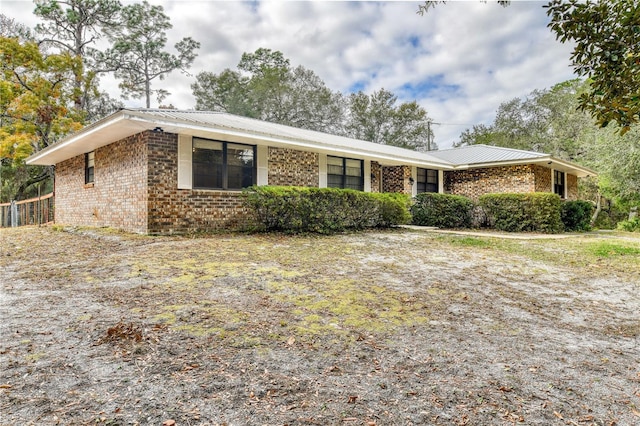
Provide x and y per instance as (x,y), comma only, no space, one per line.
(14,214)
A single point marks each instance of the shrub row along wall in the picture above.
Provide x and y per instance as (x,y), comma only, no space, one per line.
(442,210)
(324,210)
(537,212)
(533,212)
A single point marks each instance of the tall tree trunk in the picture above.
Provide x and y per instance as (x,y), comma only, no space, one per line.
(598,209)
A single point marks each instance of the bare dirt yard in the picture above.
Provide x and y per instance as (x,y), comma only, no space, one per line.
(399,327)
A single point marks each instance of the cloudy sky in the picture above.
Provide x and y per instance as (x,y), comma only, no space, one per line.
(460,61)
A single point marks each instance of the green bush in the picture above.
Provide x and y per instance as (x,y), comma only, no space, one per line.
(576,215)
(531,212)
(632,225)
(442,210)
(324,210)
(394,209)
(611,214)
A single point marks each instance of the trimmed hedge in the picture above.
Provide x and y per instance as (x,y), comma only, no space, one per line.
(442,210)
(531,212)
(324,210)
(576,215)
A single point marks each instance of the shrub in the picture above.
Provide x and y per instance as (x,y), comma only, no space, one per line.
(324,210)
(576,215)
(394,209)
(632,225)
(442,210)
(536,212)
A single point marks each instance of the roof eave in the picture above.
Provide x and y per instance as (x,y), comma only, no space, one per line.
(547,161)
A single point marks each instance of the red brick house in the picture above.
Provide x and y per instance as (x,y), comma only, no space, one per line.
(167,171)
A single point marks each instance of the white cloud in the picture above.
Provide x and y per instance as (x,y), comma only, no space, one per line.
(460,61)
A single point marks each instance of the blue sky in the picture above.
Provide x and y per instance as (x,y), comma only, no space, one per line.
(460,61)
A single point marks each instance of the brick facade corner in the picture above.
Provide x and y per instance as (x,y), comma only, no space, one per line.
(116,198)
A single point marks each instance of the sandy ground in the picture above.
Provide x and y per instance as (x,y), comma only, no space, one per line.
(382,328)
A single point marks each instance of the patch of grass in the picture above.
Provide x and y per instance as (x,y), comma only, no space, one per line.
(471,242)
(607,249)
(342,306)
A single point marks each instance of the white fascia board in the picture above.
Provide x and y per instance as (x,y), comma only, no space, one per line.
(565,166)
(39,158)
(202,131)
(547,161)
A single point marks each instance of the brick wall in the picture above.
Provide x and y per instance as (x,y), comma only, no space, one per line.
(543,178)
(396,179)
(289,167)
(376,176)
(476,182)
(117,198)
(518,179)
(173,210)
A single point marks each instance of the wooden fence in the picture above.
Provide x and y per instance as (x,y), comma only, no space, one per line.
(34,211)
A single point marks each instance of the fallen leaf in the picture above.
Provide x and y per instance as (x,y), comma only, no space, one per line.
(291,340)
(352,399)
(636,412)
(169,422)
(558,415)
(6,386)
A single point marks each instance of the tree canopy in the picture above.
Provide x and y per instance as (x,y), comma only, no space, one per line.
(74,26)
(138,54)
(265,86)
(606,35)
(35,99)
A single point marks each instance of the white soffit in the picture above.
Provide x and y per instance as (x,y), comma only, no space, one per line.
(227,127)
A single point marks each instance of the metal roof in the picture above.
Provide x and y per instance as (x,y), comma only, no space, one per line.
(233,128)
(478,154)
(207,124)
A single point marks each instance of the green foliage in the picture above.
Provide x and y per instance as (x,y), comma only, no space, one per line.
(610,215)
(324,210)
(605,38)
(632,225)
(576,215)
(442,210)
(544,121)
(607,249)
(265,86)
(74,26)
(138,54)
(606,49)
(36,95)
(393,208)
(378,118)
(531,212)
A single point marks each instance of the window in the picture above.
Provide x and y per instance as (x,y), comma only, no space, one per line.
(223,165)
(345,173)
(89,167)
(427,180)
(558,183)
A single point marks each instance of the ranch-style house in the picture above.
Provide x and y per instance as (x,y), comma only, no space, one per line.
(157,171)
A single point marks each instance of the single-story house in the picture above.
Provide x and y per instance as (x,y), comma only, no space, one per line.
(163,171)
